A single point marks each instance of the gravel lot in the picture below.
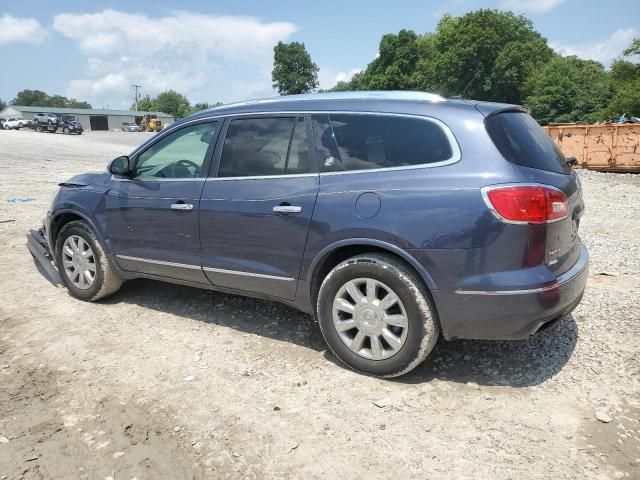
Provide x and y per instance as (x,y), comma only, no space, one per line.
(163,381)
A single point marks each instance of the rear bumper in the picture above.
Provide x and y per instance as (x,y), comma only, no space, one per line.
(511,314)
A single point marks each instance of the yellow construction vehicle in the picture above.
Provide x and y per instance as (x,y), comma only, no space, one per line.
(150,123)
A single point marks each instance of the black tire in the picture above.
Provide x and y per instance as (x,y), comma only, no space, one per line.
(65,131)
(422,323)
(106,281)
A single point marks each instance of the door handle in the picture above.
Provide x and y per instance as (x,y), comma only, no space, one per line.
(181,206)
(285,208)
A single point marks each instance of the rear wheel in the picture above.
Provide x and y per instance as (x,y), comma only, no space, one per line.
(376,315)
(83,265)
(66,131)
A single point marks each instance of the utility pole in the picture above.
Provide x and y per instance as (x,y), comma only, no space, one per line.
(135,95)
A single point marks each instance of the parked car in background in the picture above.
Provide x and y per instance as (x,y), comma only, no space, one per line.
(69,124)
(11,123)
(23,122)
(130,127)
(393,217)
(48,118)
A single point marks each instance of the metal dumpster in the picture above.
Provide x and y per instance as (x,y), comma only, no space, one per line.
(608,148)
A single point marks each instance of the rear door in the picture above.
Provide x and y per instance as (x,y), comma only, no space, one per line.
(524,143)
(256,209)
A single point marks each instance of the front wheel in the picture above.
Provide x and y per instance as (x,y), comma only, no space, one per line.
(83,265)
(65,131)
(376,316)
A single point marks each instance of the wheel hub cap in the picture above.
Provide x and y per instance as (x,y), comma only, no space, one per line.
(79,262)
(370,318)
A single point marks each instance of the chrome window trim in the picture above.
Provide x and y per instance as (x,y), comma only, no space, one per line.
(262,177)
(456,154)
(247,274)
(158,179)
(485,197)
(580,266)
(159,262)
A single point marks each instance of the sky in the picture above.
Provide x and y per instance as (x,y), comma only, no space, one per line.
(223,51)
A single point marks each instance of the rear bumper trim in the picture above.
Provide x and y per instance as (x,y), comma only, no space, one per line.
(577,269)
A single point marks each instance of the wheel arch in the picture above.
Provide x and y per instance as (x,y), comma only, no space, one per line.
(333,254)
(61,217)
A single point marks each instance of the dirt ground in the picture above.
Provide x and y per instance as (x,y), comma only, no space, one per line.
(163,381)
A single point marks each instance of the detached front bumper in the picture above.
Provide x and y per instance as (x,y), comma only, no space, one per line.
(39,247)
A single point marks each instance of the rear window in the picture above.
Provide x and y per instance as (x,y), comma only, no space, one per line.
(522,141)
(364,142)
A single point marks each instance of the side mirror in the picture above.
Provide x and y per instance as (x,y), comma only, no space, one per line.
(119,166)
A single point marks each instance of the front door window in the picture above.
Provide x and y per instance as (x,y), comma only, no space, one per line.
(180,154)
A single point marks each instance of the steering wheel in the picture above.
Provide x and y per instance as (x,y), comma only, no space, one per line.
(184,165)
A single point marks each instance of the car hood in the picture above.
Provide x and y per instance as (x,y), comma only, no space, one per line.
(86,179)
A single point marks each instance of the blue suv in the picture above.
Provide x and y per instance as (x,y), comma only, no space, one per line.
(393,217)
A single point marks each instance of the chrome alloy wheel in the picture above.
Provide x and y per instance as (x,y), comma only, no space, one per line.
(370,318)
(79,262)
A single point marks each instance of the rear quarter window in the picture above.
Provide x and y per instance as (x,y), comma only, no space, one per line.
(363,142)
(523,142)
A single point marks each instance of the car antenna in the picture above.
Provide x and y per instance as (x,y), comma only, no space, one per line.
(469,84)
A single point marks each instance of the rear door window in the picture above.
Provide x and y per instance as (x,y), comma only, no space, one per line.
(523,142)
(265,147)
(364,142)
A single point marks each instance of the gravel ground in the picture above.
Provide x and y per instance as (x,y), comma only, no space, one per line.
(163,381)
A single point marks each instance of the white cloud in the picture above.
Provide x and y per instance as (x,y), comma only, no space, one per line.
(329,77)
(530,6)
(605,51)
(21,30)
(206,57)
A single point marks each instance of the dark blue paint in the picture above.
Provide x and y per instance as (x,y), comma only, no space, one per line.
(433,218)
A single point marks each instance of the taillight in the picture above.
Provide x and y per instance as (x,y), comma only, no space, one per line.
(527,203)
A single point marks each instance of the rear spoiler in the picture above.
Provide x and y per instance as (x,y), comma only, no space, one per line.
(490,109)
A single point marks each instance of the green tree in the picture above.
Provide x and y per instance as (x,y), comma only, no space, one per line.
(626,100)
(31,98)
(568,89)
(204,106)
(39,98)
(634,48)
(173,103)
(488,55)
(293,70)
(625,84)
(145,104)
(485,55)
(3,104)
(395,65)
(73,103)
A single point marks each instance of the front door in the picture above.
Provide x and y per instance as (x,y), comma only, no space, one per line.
(152,216)
(255,214)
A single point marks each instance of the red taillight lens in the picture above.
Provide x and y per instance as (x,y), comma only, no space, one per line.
(527,203)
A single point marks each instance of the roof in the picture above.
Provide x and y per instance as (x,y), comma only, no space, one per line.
(85,111)
(336,96)
(403,102)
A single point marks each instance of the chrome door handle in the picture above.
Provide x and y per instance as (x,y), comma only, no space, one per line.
(181,206)
(287,209)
